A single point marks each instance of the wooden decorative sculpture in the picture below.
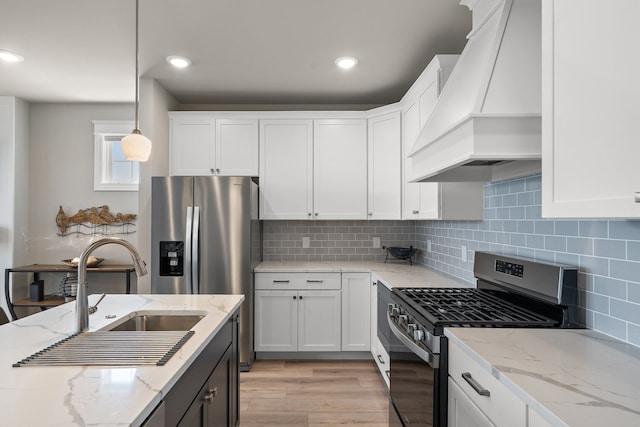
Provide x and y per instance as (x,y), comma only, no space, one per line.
(97,220)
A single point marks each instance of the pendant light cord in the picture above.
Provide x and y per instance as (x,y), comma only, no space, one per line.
(137,121)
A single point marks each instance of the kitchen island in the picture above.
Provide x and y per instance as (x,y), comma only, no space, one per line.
(100,396)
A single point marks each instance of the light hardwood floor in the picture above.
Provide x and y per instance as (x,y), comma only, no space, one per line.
(313,393)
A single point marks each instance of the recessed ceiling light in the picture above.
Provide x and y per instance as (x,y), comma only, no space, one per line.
(179,61)
(7,56)
(346,62)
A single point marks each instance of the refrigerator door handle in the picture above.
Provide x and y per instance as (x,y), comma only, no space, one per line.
(187,249)
(195,250)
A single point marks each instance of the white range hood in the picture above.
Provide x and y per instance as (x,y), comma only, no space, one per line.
(486,125)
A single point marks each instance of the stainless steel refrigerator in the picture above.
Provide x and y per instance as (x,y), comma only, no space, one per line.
(207,239)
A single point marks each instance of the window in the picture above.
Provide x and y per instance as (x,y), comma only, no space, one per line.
(112,172)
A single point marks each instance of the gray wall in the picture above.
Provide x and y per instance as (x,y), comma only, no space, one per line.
(606,251)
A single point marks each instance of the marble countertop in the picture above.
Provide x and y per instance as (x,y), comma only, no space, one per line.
(393,274)
(571,377)
(98,396)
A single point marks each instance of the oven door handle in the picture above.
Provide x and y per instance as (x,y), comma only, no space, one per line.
(422,353)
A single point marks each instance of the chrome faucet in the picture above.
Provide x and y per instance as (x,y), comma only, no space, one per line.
(82,302)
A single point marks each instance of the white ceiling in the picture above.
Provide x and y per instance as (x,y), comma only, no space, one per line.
(243,51)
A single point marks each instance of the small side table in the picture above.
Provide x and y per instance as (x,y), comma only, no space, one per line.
(54,300)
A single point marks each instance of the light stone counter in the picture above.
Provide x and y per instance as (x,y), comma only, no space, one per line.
(97,396)
(392,274)
(571,377)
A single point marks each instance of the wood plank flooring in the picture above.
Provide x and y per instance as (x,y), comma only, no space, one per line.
(313,393)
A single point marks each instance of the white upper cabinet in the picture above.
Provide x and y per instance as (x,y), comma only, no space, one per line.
(432,200)
(286,169)
(385,176)
(192,145)
(340,169)
(202,144)
(237,147)
(590,138)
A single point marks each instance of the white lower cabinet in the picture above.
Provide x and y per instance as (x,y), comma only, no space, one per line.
(356,312)
(297,312)
(462,411)
(476,398)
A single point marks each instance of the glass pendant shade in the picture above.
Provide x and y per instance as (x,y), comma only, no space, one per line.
(136,147)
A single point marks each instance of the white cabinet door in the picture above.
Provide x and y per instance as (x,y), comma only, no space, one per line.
(340,169)
(237,147)
(462,411)
(319,321)
(385,173)
(192,146)
(590,142)
(286,169)
(356,312)
(276,321)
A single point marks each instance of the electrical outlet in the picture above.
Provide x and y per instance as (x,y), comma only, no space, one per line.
(428,245)
(376,242)
(464,253)
(305,242)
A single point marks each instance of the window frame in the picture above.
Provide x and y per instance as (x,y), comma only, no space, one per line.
(103,129)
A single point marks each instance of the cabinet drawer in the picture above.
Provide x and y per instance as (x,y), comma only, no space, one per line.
(302,281)
(502,407)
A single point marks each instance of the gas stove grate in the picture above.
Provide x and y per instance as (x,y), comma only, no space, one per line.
(471,307)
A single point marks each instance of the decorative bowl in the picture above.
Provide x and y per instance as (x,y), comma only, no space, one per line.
(91,261)
(400,252)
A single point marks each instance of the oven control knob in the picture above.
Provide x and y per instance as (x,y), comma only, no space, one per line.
(393,310)
(411,327)
(418,335)
(403,318)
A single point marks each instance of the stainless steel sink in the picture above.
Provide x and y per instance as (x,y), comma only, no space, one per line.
(158,322)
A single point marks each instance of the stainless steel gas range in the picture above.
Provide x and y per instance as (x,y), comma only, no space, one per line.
(511,292)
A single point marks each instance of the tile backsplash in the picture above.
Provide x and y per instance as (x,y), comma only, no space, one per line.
(607,252)
(333,240)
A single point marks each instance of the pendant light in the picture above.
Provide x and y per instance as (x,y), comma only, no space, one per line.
(135,146)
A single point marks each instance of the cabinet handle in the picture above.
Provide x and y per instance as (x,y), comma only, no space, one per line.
(213,171)
(370,214)
(294,297)
(637,197)
(280,281)
(474,385)
(217,170)
(415,212)
(308,213)
(300,296)
(315,281)
(380,359)
(316,213)
(211,394)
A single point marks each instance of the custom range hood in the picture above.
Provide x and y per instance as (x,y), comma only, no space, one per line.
(486,125)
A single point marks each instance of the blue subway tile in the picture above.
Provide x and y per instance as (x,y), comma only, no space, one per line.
(526,227)
(510,200)
(633,292)
(633,334)
(610,326)
(526,199)
(510,226)
(535,241)
(610,248)
(610,287)
(625,270)
(595,302)
(544,226)
(568,259)
(517,185)
(557,244)
(567,228)
(517,213)
(518,239)
(534,183)
(579,245)
(627,230)
(594,265)
(594,228)
(533,212)
(626,311)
